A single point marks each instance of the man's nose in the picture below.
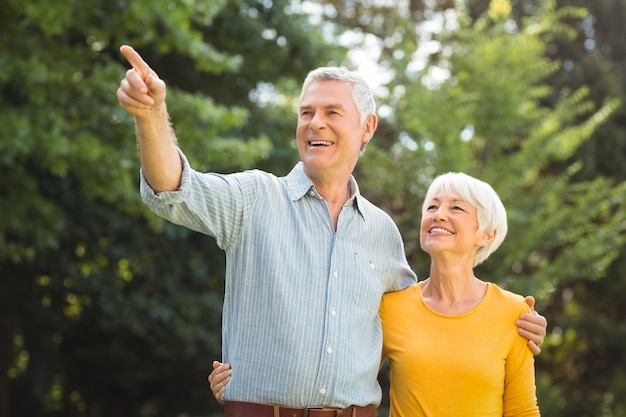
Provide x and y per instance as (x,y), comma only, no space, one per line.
(317,121)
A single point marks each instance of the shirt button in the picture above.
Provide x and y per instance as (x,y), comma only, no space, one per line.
(333,312)
(329,349)
(323,391)
(335,274)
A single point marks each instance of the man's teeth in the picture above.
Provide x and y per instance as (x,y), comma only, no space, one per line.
(320,143)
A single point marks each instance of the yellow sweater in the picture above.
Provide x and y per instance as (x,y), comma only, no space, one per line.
(474,364)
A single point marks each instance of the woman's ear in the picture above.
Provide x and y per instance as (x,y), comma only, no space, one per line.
(486,238)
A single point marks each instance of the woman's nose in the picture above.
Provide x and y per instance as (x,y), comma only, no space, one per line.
(439,215)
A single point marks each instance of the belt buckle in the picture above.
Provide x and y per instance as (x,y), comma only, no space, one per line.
(305,411)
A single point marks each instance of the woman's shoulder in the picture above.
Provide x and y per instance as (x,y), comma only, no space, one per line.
(508,298)
(409,291)
(398,299)
(396,306)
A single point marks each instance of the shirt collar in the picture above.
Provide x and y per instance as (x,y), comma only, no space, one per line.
(299,184)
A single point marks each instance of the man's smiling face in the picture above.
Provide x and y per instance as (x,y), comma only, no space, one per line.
(329,133)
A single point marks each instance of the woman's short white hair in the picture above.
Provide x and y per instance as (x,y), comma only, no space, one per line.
(490,210)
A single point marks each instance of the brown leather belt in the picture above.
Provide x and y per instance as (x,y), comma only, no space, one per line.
(246,409)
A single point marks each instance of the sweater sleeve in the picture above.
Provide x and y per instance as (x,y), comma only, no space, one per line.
(520,399)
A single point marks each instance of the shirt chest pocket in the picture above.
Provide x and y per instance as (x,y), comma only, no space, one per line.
(369,284)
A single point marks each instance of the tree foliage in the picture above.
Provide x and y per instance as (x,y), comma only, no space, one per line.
(591,315)
(107,310)
(483,104)
(104,309)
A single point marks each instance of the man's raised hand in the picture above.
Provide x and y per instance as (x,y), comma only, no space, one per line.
(141,90)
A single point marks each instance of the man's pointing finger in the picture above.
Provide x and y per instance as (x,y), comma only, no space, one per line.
(136,61)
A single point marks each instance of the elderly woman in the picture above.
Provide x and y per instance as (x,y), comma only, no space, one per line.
(451,340)
(452,344)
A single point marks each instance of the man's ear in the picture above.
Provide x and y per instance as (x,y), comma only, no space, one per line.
(371,123)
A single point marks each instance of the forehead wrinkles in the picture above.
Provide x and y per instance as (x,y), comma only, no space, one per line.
(450,198)
(332,91)
(453,198)
(310,105)
(443,197)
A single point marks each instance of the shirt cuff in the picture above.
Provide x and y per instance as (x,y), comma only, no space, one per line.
(152,198)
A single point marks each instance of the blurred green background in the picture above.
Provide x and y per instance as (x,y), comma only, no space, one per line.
(106,310)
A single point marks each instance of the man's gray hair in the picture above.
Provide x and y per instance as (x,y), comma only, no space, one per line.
(361,92)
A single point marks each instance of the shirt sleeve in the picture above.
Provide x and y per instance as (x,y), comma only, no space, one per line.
(519,386)
(208,203)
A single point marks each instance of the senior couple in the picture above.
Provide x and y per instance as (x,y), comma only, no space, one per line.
(318,290)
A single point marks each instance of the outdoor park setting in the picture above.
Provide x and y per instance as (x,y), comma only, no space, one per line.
(108,310)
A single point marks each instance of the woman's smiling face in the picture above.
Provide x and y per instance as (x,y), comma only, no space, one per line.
(450,223)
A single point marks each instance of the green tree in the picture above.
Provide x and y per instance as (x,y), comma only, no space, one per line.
(105,309)
(591,314)
(588,360)
(482,104)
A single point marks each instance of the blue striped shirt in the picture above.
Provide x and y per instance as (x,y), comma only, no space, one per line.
(300,319)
